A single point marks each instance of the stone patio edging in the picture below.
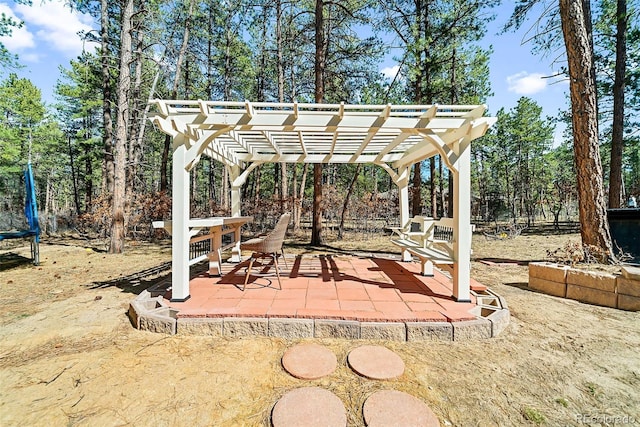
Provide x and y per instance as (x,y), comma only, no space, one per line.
(150,313)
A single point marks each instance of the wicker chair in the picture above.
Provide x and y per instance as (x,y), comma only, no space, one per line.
(267,246)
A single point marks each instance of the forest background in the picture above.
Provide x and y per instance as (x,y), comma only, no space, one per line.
(268,51)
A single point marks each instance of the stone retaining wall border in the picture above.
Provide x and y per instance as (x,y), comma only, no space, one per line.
(592,287)
(151,313)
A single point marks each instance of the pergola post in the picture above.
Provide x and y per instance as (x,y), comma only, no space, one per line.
(402,182)
(462,220)
(401,179)
(236,202)
(237,180)
(180,224)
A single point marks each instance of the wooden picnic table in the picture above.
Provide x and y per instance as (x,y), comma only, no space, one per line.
(217,227)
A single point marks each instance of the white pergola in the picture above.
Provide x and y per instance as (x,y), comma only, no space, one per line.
(243,135)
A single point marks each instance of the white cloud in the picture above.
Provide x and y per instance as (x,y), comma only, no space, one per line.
(390,72)
(524,83)
(55,25)
(30,57)
(48,26)
(20,38)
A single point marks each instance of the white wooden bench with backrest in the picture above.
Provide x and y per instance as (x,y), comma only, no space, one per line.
(428,239)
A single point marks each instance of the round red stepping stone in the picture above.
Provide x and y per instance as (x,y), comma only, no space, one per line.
(309,361)
(309,407)
(376,362)
(395,408)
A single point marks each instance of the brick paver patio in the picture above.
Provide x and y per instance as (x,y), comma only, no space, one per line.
(363,288)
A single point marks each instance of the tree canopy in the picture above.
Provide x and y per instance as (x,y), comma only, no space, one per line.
(95,149)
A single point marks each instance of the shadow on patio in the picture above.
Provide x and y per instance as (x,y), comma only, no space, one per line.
(347,287)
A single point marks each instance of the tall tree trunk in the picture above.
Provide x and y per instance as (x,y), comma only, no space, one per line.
(135,147)
(432,187)
(88,170)
(88,178)
(74,179)
(279,51)
(449,194)
(416,206)
(256,188)
(225,200)
(294,200)
(453,92)
(374,176)
(107,123)
(284,201)
(261,78)
(164,164)
(453,100)
(193,187)
(226,86)
(617,141)
(47,200)
(423,92)
(416,196)
(174,95)
(284,184)
(209,67)
(316,226)
(576,29)
(213,204)
(442,205)
(320,63)
(120,148)
(345,205)
(478,164)
(143,120)
(277,185)
(300,198)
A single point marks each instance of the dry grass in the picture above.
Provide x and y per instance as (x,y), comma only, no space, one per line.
(70,355)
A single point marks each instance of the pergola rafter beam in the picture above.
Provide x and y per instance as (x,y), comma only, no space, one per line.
(224,151)
(364,144)
(476,112)
(303,146)
(392,145)
(334,140)
(375,127)
(216,156)
(427,116)
(435,143)
(199,146)
(240,140)
(269,138)
(310,158)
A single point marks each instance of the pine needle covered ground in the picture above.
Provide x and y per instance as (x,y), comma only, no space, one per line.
(69,355)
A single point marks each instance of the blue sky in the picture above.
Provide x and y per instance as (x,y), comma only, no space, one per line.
(49,40)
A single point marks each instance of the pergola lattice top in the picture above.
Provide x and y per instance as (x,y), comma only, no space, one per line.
(238,133)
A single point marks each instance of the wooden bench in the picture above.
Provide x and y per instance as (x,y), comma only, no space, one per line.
(429,240)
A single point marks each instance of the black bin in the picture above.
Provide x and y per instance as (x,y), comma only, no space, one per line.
(625,230)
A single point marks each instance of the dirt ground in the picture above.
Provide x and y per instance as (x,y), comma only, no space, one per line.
(69,355)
